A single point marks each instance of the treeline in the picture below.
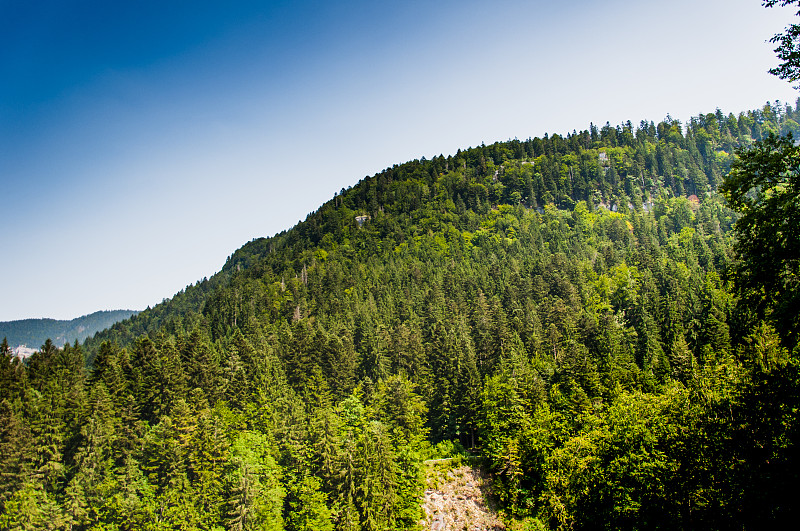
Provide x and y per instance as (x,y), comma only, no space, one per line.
(637,165)
(558,306)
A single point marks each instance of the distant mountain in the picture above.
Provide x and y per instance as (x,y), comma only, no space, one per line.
(34,332)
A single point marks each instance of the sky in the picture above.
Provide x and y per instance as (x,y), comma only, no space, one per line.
(141,143)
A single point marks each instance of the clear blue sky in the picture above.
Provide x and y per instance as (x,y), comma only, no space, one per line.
(142,142)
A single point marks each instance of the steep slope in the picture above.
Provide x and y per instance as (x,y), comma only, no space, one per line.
(609,166)
(557,305)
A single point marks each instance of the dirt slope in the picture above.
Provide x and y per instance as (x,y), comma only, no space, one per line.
(457,500)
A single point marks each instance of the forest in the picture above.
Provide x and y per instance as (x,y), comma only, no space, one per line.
(576,313)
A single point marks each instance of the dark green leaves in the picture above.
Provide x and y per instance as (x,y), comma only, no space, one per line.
(764,186)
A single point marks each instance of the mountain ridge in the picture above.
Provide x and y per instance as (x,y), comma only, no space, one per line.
(515,300)
(35,331)
(552,170)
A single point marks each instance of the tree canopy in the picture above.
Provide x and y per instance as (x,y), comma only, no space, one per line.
(788,49)
(764,186)
(559,307)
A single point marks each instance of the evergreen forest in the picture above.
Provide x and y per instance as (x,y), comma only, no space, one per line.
(606,322)
(577,313)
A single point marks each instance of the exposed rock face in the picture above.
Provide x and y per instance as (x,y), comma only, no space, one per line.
(456,500)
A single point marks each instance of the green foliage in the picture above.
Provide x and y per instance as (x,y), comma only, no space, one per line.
(30,509)
(764,186)
(307,509)
(557,308)
(787,50)
(256,494)
(627,470)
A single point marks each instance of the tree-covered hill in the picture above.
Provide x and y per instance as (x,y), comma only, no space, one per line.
(622,167)
(34,332)
(560,307)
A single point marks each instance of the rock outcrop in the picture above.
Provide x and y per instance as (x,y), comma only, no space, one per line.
(457,500)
